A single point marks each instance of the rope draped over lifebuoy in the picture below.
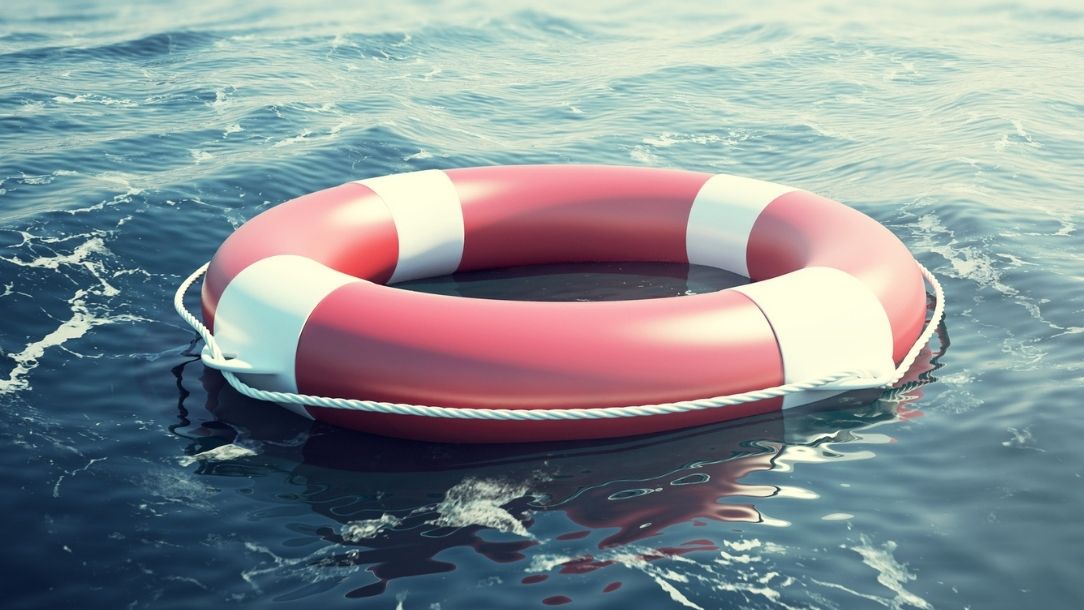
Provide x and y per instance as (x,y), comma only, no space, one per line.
(302,316)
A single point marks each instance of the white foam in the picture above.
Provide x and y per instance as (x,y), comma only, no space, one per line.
(1022,438)
(36,180)
(72,473)
(832,585)
(81,321)
(222,453)
(633,558)
(322,108)
(81,256)
(356,531)
(971,263)
(644,156)
(673,592)
(742,545)
(177,487)
(726,558)
(94,245)
(669,138)
(479,502)
(301,137)
(119,179)
(1018,128)
(87,256)
(890,573)
(94,99)
(303,570)
(340,126)
(32,107)
(222,101)
(188,580)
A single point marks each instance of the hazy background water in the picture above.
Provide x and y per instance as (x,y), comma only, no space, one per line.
(135,138)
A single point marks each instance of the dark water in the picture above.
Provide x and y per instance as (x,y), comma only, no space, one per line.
(134,139)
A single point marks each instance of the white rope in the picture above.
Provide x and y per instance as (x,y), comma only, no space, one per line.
(841,380)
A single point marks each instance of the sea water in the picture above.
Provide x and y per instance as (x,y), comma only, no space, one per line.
(134,138)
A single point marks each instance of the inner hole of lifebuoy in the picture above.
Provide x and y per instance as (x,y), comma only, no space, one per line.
(581,282)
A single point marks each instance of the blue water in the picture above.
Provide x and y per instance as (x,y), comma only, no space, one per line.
(134,139)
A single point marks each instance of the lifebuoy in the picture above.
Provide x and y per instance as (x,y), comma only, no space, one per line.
(300,296)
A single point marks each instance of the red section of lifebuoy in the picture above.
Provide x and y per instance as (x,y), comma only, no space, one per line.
(458,352)
(519,215)
(347,227)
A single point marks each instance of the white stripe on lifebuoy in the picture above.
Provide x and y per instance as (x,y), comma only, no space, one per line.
(428,218)
(824,321)
(722,218)
(264,309)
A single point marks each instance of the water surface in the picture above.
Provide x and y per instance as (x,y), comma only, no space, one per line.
(134,139)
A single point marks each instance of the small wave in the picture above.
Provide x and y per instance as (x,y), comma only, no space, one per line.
(553,27)
(744,34)
(22,37)
(147,47)
(154,45)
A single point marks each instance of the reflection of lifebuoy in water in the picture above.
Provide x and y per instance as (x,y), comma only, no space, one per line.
(608,489)
(297,298)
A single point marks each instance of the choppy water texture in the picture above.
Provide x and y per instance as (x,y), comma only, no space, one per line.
(133,140)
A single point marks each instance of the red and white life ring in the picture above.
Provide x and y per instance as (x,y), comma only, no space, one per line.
(300,295)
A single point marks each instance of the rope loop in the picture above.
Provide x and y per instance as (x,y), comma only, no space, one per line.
(844,380)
